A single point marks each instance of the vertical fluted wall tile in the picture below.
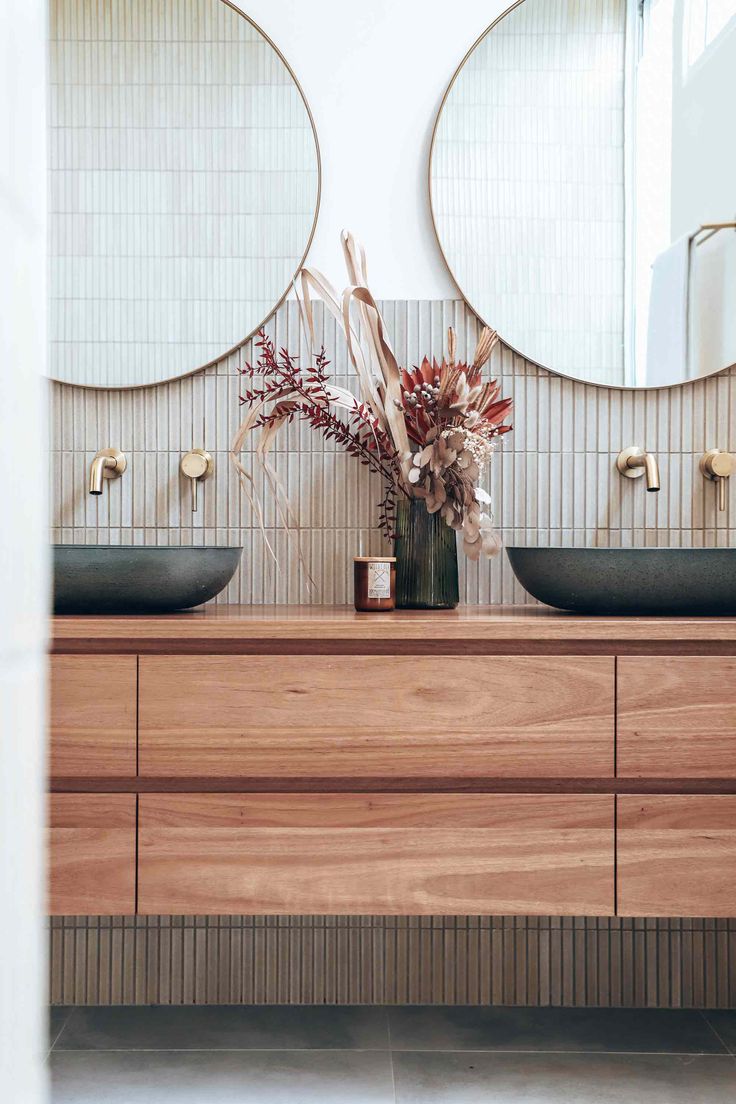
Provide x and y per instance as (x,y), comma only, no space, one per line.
(553,480)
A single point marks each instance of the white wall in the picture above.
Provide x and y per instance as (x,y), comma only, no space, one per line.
(703,150)
(23,541)
(703,178)
(374,75)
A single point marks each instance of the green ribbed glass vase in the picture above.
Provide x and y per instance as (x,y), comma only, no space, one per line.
(426,559)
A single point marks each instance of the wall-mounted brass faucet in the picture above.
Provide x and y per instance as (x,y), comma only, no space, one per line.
(109,463)
(718,465)
(634,461)
(196,465)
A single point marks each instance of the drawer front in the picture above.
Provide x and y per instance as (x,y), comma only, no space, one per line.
(385,854)
(376,716)
(93,716)
(677,717)
(92,854)
(677,856)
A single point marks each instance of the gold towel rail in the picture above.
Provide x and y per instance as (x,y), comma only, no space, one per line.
(709,229)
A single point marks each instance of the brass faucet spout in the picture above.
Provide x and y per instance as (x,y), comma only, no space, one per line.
(97,473)
(651,470)
(633,462)
(107,464)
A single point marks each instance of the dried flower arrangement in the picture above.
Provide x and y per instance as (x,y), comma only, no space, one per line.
(452,418)
(428,432)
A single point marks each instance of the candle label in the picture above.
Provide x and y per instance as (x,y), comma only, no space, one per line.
(379,580)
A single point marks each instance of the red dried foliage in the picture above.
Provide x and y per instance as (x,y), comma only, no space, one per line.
(444,395)
(304,394)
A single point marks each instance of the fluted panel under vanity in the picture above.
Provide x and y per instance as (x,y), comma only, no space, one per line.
(553,479)
(536,961)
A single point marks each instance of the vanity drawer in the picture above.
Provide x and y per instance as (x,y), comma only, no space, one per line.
(93,716)
(377,717)
(386,854)
(92,854)
(677,717)
(676,855)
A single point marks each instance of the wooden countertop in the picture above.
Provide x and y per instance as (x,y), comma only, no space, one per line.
(339,628)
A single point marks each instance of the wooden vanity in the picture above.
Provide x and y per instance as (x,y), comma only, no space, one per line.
(307,760)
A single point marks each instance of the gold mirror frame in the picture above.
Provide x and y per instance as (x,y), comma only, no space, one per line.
(239,344)
(485,321)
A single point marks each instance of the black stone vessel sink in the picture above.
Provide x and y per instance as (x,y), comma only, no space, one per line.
(102,578)
(684,581)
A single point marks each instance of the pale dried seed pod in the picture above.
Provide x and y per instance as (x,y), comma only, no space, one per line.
(451,347)
(486,344)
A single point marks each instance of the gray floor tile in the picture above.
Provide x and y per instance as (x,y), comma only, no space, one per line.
(255,1077)
(228,1027)
(483,1078)
(724,1022)
(558,1029)
(57,1018)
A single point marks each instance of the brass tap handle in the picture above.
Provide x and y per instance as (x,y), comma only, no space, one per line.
(718,466)
(197,465)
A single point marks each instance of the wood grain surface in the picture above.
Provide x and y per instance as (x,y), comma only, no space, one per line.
(235,626)
(358,709)
(677,716)
(92,715)
(92,840)
(378,854)
(676,855)
(375,716)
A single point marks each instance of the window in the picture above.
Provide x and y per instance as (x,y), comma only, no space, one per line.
(650,152)
(705,19)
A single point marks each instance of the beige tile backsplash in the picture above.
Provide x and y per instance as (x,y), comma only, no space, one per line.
(553,479)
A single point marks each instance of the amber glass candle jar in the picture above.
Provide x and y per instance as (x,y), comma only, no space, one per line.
(375,583)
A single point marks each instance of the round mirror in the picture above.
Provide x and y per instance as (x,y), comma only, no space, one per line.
(183,186)
(583,186)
